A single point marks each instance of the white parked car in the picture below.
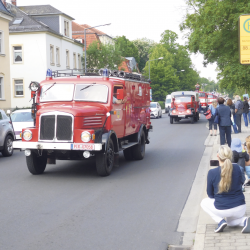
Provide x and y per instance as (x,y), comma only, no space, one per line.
(21,119)
(155,110)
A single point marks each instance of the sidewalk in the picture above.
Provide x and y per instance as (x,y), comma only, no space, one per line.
(231,238)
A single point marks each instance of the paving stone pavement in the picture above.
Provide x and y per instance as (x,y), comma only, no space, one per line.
(231,238)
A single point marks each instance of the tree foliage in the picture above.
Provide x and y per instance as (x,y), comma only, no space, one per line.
(127,48)
(167,75)
(213,31)
(103,55)
(144,46)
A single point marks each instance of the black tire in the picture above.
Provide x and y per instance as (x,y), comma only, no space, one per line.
(8,146)
(192,119)
(139,149)
(197,116)
(128,155)
(35,163)
(161,115)
(105,162)
(157,116)
(171,120)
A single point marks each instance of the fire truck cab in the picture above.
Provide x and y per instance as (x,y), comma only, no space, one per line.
(184,105)
(77,117)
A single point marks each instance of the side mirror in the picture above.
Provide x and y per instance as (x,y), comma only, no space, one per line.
(120,94)
(8,112)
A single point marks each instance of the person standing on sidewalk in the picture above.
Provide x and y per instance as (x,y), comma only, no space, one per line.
(213,107)
(249,110)
(225,122)
(231,105)
(245,111)
(247,166)
(226,203)
(238,112)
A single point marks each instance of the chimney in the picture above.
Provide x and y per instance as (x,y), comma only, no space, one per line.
(13,2)
(4,2)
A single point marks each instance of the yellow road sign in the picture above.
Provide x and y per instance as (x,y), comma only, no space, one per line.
(244,38)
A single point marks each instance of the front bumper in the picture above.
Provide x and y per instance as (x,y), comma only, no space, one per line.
(57,146)
(153,115)
(182,116)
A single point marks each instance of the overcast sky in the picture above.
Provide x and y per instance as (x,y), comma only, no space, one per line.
(131,18)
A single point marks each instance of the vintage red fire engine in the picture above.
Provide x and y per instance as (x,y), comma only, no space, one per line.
(77,117)
(203,96)
(185,104)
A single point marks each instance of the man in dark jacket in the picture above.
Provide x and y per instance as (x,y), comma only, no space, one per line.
(245,111)
(238,112)
(224,114)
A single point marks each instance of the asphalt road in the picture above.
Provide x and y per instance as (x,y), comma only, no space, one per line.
(136,208)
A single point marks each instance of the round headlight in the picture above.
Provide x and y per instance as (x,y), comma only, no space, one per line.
(174,111)
(27,135)
(85,136)
(34,86)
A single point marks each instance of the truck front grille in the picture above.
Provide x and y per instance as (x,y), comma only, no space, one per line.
(47,127)
(56,127)
(92,122)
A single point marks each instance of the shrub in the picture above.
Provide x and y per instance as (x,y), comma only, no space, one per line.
(162,103)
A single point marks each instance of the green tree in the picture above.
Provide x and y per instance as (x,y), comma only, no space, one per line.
(127,48)
(144,46)
(212,29)
(103,55)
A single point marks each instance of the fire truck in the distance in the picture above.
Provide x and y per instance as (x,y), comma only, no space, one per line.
(184,105)
(211,97)
(203,96)
(77,117)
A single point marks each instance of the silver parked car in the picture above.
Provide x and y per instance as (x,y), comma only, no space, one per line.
(6,135)
(156,111)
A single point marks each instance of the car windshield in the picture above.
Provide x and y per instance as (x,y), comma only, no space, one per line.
(91,93)
(181,98)
(168,100)
(59,92)
(21,117)
(152,105)
(202,94)
(210,96)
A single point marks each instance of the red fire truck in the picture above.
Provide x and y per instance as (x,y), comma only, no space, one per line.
(77,117)
(184,105)
(203,100)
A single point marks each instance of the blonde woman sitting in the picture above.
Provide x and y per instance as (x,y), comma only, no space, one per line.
(226,203)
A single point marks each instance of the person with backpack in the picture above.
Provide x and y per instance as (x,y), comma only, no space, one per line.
(245,111)
(238,112)
(212,125)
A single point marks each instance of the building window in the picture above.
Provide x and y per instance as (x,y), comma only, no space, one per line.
(79,62)
(18,87)
(1,87)
(18,55)
(57,56)
(67,58)
(74,61)
(66,28)
(52,55)
(1,42)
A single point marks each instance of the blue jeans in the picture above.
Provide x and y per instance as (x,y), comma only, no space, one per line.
(225,131)
(249,116)
(248,171)
(245,119)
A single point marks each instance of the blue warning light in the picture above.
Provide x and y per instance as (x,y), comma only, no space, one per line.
(49,73)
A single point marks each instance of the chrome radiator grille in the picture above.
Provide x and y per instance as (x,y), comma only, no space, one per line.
(56,127)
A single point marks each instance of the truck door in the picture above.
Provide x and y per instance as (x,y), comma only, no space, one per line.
(118,119)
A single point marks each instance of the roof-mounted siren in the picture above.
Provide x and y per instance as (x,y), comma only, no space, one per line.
(105,74)
(49,74)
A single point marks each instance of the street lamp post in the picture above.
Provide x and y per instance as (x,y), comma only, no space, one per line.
(160,58)
(179,71)
(85,53)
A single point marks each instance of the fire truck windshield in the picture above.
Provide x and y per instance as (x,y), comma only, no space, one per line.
(202,94)
(183,98)
(91,93)
(210,96)
(59,92)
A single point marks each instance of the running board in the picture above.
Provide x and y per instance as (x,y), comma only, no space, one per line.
(128,145)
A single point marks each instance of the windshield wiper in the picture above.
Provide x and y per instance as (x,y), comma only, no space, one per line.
(49,87)
(88,86)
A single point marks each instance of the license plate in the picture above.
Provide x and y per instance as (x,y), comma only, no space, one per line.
(82,146)
(181,115)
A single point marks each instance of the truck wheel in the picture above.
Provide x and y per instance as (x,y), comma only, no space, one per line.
(171,119)
(105,162)
(139,149)
(35,163)
(197,116)
(192,119)
(128,155)
(8,146)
